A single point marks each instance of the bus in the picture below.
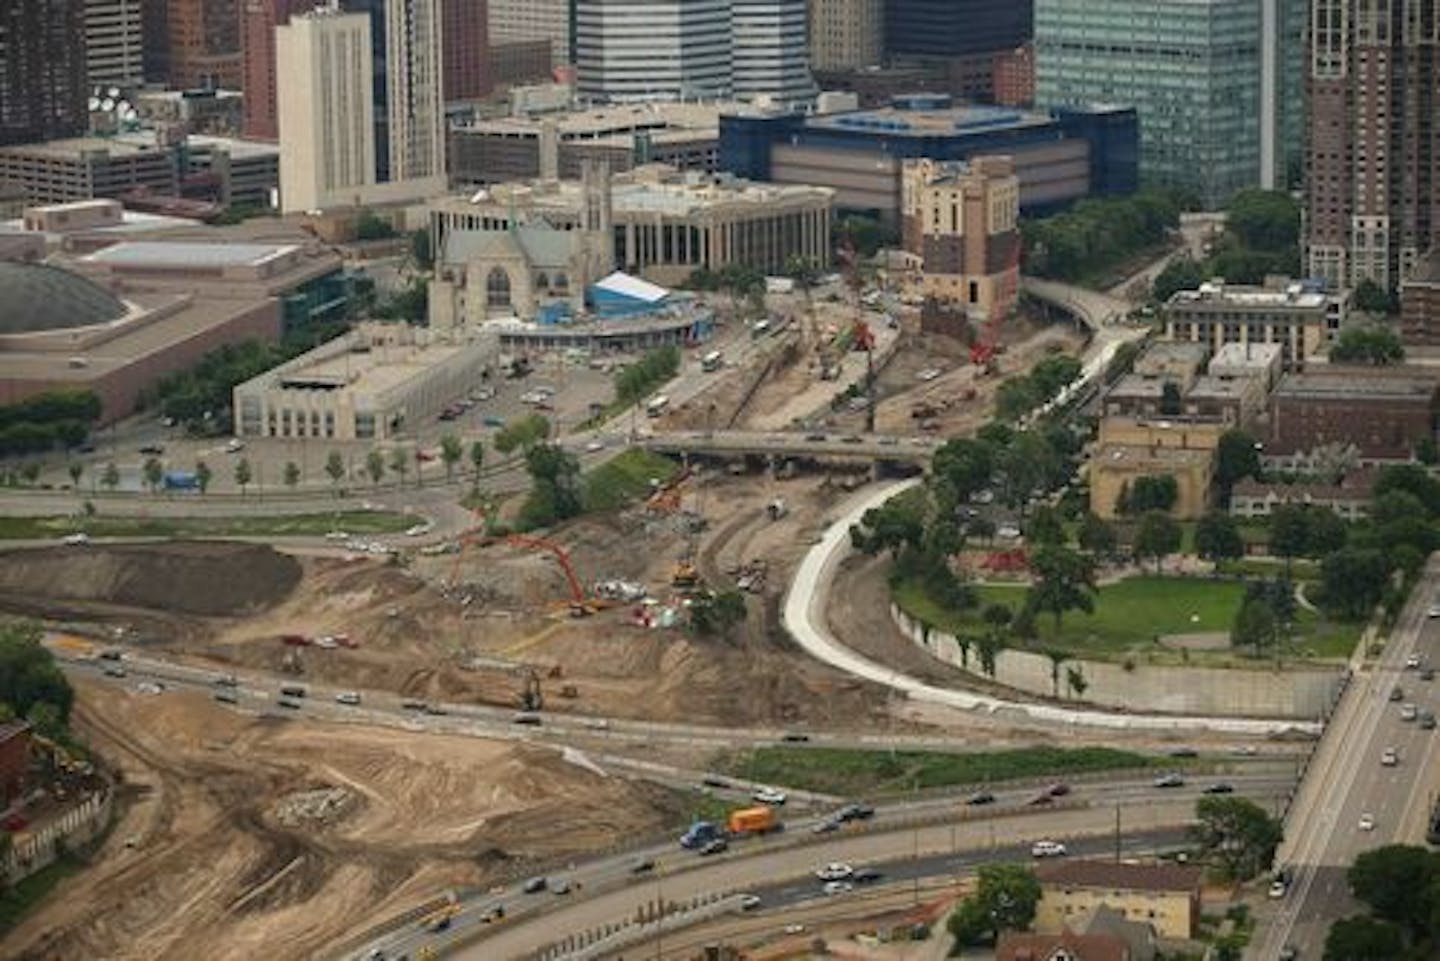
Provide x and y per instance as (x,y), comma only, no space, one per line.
(657,406)
(711,361)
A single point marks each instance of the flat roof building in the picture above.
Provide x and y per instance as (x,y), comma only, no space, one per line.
(1383,413)
(1298,316)
(368,385)
(1420,302)
(665,224)
(1058,157)
(556,144)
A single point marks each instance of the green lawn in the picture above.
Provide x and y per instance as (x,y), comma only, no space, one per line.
(296,525)
(1131,614)
(17,901)
(857,773)
(626,478)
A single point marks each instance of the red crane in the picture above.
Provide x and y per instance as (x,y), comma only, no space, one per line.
(579,606)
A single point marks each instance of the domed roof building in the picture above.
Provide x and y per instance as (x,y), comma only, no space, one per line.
(35,298)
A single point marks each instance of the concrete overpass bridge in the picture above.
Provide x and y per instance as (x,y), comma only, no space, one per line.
(911,452)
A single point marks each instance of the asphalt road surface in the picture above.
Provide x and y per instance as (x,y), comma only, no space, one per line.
(1347,780)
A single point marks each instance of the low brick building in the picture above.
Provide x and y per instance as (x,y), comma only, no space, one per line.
(1165,896)
(1349,499)
(1383,412)
(14,759)
(1066,946)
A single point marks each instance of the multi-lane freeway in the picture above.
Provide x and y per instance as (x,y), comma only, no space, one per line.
(1350,779)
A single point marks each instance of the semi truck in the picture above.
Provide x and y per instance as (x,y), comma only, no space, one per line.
(759,819)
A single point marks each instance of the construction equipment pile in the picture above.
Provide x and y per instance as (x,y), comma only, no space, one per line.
(314,808)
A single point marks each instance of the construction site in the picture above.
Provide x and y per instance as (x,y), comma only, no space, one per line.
(239,831)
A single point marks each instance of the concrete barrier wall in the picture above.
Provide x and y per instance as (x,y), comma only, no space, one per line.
(35,850)
(1294,691)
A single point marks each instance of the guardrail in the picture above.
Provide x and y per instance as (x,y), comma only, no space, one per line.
(596,942)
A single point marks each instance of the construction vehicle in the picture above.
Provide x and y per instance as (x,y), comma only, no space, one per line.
(439,919)
(569,691)
(530,697)
(776,509)
(760,819)
(580,605)
(987,345)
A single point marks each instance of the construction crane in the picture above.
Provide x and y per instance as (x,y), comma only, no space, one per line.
(476,531)
(861,336)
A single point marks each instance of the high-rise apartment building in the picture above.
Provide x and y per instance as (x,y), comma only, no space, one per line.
(464,29)
(512,21)
(42,70)
(632,50)
(258,20)
(1282,92)
(1191,69)
(204,44)
(114,43)
(770,53)
(1373,146)
(325,116)
(408,104)
(846,34)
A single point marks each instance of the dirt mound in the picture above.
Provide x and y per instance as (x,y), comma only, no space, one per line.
(208,578)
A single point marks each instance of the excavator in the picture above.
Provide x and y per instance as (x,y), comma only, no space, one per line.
(580,605)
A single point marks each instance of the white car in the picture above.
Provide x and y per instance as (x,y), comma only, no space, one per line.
(418,530)
(337,536)
(1007,532)
(1367,822)
(928,374)
(79,537)
(235,446)
(1277,890)
(1390,757)
(835,871)
(749,902)
(768,795)
(595,445)
(794,929)
(1412,662)
(1047,849)
(1434,610)
(347,697)
(1408,712)
(837,887)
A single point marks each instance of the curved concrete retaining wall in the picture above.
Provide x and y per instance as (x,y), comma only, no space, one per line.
(1295,691)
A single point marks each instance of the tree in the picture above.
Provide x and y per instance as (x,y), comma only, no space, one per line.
(75,470)
(335,467)
(522,434)
(371,227)
(1373,345)
(803,271)
(1361,938)
(1374,299)
(1004,900)
(1171,403)
(477,459)
(399,463)
(110,477)
(422,248)
(1399,883)
(1157,537)
(1236,457)
(717,613)
(28,673)
(451,451)
(556,493)
(203,475)
(153,472)
(1352,581)
(1045,527)
(243,474)
(965,464)
(894,525)
(1289,532)
(1153,492)
(1182,273)
(1016,398)
(1217,537)
(1053,374)
(1264,220)
(1097,535)
(375,466)
(1028,464)
(1254,627)
(1237,834)
(1064,580)
(1325,532)
(981,528)
(291,474)
(997,616)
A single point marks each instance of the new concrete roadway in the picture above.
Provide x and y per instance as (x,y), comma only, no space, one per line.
(1347,779)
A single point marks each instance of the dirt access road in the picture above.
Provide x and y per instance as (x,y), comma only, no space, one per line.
(244,838)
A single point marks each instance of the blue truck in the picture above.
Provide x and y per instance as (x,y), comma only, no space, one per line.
(180,480)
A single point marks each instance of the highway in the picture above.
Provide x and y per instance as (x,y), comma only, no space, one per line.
(1346,780)
(780,868)
(790,444)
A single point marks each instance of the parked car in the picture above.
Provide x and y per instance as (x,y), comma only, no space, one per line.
(1047,849)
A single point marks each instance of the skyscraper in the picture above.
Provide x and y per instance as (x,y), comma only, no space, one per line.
(466,59)
(629,50)
(770,54)
(42,70)
(549,20)
(114,42)
(956,28)
(846,34)
(325,117)
(204,43)
(258,20)
(1373,145)
(1191,68)
(409,107)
